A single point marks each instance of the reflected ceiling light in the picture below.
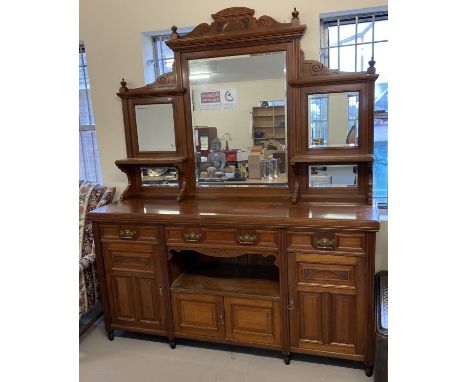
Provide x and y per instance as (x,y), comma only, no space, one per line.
(199,76)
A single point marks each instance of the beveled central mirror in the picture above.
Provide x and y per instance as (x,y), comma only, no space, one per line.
(239,120)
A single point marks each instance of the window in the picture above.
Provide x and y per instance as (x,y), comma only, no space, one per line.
(319,119)
(163,56)
(348,42)
(89,158)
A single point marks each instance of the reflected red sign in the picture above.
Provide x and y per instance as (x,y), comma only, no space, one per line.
(210,97)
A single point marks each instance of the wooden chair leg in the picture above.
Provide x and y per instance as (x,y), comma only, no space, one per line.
(91,323)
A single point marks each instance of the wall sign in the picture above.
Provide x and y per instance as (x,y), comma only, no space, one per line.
(218,99)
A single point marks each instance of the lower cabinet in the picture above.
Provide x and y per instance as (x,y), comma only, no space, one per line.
(249,320)
(327,304)
(134,286)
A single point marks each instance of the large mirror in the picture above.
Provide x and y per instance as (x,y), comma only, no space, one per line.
(333,119)
(155,127)
(239,120)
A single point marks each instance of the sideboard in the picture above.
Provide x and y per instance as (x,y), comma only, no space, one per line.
(266,243)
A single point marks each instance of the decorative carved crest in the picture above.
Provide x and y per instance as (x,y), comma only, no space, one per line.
(165,82)
(237,20)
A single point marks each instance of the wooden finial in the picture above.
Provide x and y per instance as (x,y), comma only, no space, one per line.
(123,86)
(174,33)
(295,17)
(371,69)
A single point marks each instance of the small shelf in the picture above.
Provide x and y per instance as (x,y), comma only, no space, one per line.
(266,138)
(354,158)
(230,279)
(151,161)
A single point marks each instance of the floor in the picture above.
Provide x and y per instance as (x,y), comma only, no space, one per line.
(140,358)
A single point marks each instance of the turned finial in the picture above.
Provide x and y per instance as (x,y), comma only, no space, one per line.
(295,17)
(371,69)
(123,86)
(174,33)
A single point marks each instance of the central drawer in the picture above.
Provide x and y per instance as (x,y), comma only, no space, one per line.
(221,237)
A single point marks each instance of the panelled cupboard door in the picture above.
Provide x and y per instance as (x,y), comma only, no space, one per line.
(134,285)
(328,303)
(253,320)
(198,314)
(137,301)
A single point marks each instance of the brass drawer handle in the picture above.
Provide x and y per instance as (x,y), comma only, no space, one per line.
(221,319)
(290,304)
(192,236)
(247,239)
(324,242)
(127,234)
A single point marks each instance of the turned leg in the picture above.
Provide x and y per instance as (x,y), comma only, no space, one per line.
(286,359)
(110,334)
(369,370)
(172,343)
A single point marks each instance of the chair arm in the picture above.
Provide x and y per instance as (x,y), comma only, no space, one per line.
(87,261)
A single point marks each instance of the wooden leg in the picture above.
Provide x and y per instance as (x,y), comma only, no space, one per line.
(172,343)
(110,334)
(286,359)
(369,370)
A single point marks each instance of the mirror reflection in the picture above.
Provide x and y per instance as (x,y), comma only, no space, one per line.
(159,176)
(239,120)
(333,176)
(155,127)
(333,119)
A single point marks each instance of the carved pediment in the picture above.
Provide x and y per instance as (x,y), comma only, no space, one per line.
(164,84)
(236,21)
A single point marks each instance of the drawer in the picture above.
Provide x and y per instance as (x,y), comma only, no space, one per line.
(325,269)
(192,236)
(327,241)
(129,257)
(129,232)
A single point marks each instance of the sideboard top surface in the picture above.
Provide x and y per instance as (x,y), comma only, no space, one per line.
(247,212)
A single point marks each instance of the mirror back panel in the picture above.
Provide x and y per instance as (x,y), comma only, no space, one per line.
(238,106)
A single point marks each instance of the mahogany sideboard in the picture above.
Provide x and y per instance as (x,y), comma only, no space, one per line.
(320,303)
(268,243)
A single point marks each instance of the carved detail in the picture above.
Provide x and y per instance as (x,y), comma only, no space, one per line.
(228,252)
(166,80)
(128,192)
(132,260)
(312,274)
(235,19)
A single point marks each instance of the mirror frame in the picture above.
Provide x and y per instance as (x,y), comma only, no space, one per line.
(158,92)
(364,139)
(233,32)
(186,57)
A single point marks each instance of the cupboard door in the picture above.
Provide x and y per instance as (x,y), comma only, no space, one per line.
(325,322)
(198,314)
(136,301)
(328,310)
(252,320)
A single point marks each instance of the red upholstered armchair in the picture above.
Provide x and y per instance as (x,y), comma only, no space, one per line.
(92,196)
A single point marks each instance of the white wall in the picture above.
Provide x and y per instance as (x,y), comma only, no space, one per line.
(111,31)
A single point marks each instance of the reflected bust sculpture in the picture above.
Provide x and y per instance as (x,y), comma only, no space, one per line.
(216,158)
